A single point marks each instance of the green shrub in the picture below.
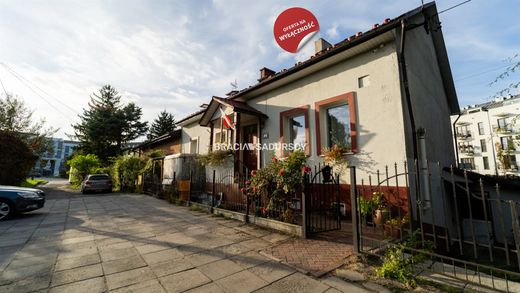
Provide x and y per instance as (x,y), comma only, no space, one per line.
(16,159)
(125,170)
(399,260)
(81,166)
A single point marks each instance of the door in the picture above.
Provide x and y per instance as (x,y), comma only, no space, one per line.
(250,156)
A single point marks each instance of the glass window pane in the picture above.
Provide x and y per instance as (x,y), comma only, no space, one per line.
(297,124)
(338,126)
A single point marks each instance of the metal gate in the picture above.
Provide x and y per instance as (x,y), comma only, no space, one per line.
(322,204)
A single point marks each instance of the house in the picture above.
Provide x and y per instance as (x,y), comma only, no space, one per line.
(486,139)
(169,144)
(386,95)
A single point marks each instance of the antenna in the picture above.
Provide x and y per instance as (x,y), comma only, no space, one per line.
(234,85)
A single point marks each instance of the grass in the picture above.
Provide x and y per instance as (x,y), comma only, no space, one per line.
(33,182)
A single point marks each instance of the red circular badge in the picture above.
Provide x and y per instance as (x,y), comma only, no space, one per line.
(292,26)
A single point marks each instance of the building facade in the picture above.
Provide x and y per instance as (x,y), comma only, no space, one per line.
(487,137)
(53,163)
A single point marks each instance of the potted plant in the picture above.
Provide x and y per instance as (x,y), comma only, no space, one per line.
(335,158)
(381,212)
(215,158)
(393,226)
(366,210)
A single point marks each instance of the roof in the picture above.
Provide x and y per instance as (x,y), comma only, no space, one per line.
(190,116)
(383,30)
(496,103)
(488,180)
(359,38)
(237,106)
(163,138)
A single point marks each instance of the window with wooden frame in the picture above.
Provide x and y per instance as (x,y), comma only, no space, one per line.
(294,129)
(336,123)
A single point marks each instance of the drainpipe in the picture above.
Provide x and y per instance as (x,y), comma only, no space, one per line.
(404,78)
(455,141)
(423,167)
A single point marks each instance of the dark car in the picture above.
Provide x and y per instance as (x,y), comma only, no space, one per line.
(18,200)
(96,182)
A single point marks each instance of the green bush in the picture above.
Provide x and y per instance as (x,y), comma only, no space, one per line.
(399,260)
(16,159)
(81,166)
(125,170)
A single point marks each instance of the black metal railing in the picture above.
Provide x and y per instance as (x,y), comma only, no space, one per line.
(470,220)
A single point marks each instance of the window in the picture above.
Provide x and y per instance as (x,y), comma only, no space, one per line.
(503,125)
(194,143)
(297,135)
(505,142)
(483,146)
(468,163)
(512,159)
(364,81)
(221,137)
(481,128)
(485,160)
(462,131)
(294,128)
(336,122)
(338,126)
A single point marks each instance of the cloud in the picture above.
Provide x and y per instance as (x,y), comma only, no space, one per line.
(175,55)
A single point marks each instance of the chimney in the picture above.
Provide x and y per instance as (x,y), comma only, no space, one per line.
(204,106)
(320,45)
(265,73)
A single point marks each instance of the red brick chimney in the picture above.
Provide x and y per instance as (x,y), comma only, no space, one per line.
(265,73)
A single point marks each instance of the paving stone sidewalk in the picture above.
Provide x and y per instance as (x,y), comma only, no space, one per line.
(136,243)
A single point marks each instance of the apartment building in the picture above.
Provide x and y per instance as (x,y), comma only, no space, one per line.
(52,163)
(487,136)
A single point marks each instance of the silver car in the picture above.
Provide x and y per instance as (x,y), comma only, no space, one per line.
(96,183)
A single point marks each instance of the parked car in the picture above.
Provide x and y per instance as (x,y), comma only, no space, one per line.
(96,182)
(19,200)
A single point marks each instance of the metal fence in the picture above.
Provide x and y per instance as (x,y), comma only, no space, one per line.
(470,220)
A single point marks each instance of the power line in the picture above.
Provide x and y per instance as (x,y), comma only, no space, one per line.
(454,6)
(3,87)
(38,94)
(483,72)
(37,87)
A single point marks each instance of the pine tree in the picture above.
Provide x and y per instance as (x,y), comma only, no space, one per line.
(163,124)
(107,125)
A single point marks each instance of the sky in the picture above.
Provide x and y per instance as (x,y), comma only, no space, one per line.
(175,55)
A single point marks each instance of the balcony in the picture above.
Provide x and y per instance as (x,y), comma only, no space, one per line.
(467,150)
(463,136)
(503,129)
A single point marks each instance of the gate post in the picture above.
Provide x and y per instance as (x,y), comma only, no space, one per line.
(213,192)
(354,210)
(304,205)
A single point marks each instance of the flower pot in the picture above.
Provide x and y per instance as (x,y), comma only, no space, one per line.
(392,231)
(380,217)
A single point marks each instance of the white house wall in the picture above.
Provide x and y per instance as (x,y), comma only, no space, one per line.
(380,127)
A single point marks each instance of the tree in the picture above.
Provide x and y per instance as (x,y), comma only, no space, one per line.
(163,124)
(16,160)
(17,119)
(107,125)
(82,165)
(509,72)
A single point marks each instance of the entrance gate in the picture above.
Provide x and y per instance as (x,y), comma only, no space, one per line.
(322,204)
